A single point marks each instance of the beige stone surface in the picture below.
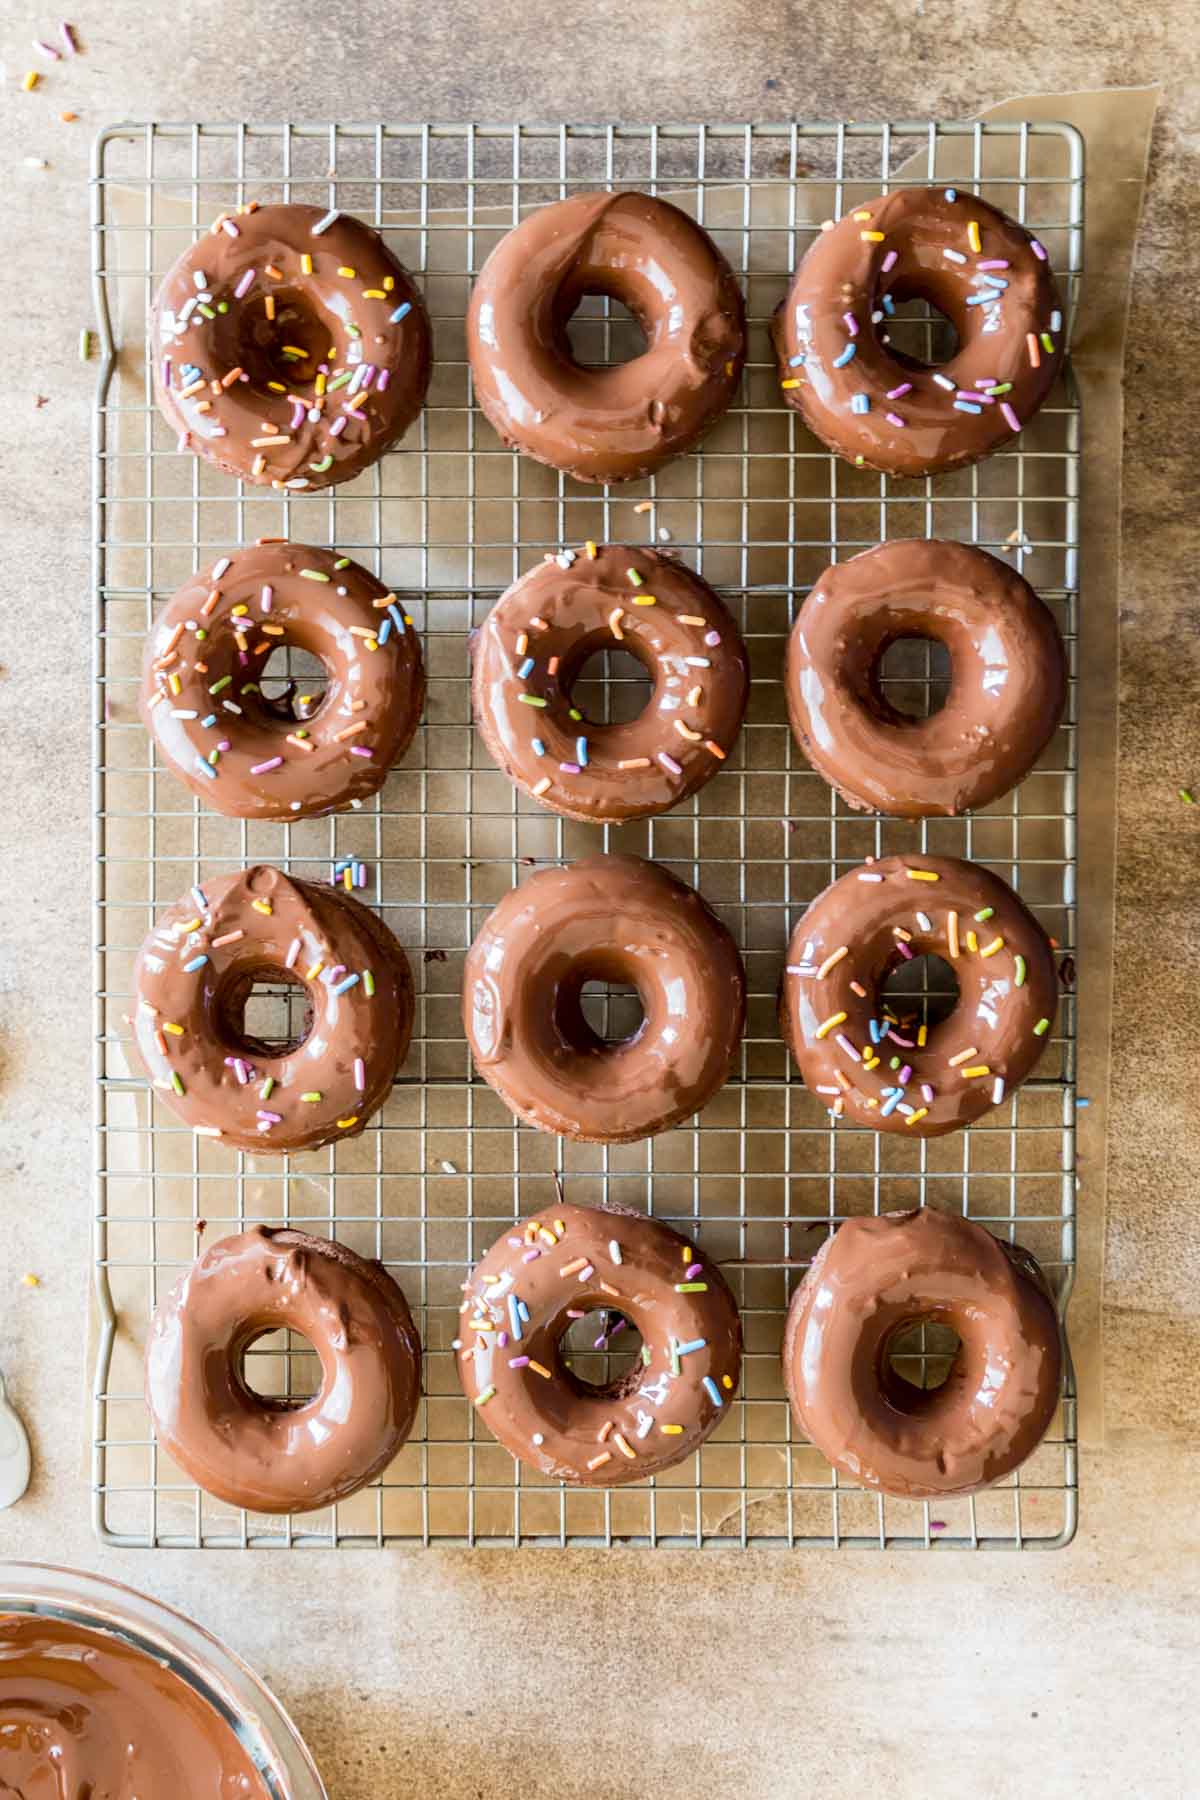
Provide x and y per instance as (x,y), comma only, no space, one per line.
(547,1674)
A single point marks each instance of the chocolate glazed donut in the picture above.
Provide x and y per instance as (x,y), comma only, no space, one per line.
(289,346)
(533,647)
(871,1063)
(279,1455)
(873,404)
(296,756)
(194,975)
(618,423)
(562,1265)
(614,919)
(1008,678)
(875,1278)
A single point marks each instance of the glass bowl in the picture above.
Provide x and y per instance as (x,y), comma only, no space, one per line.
(210,1669)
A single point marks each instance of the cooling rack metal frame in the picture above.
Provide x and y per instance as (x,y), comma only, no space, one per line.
(449,519)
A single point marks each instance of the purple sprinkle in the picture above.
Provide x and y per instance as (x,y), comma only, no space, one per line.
(712,637)
(904,1043)
(905,1075)
(517,1362)
(239,1069)
(893,418)
(297,415)
(293,953)
(270,1118)
(369,373)
(587,1273)
(530,1255)
(851,323)
(890,261)
(570,768)
(904,388)
(502,1340)
(67,33)
(385,375)
(992,263)
(978,399)
(47,50)
(904,950)
(514,1243)
(223,744)
(263,768)
(1037,249)
(166,372)
(692,1271)
(847,1046)
(360,750)
(338,426)
(669,763)
(244,285)
(937,1524)
(1010,417)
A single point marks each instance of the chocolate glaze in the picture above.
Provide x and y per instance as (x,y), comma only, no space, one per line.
(873,1278)
(250,274)
(281,1455)
(225,744)
(556,618)
(1007,688)
(622,422)
(614,919)
(84,1714)
(839,301)
(192,979)
(856,933)
(521,1300)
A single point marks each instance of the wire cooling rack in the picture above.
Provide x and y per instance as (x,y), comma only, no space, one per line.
(449,520)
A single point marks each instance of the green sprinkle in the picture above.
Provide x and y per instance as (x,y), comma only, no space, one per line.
(218,685)
(250,687)
(531,700)
(206,311)
(576,715)
(85,346)
(356,332)
(1020,975)
(310,1097)
(1187,796)
(691,1287)
(645,1356)
(331,387)
(265,1090)
(325,463)
(175,1082)
(1004,387)
(895,1063)
(634,577)
(314,575)
(987,913)
(368,982)
(214,757)
(674,1357)
(1047,341)
(343,562)
(482,1399)
(201,634)
(1041,1028)
(222,306)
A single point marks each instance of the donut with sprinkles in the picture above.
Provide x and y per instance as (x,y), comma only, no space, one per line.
(873,1061)
(531,652)
(195,974)
(315,747)
(871,402)
(290,347)
(620,1269)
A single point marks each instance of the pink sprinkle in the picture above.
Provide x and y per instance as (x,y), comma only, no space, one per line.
(937,1524)
(530,1255)
(67,33)
(369,374)
(1037,249)
(993,262)
(851,323)
(502,1340)
(338,426)
(976,399)
(223,745)
(890,261)
(271,1118)
(904,388)
(385,376)
(293,953)
(244,285)
(847,1046)
(297,415)
(927,1093)
(517,1362)
(514,1243)
(904,950)
(712,637)
(904,1043)
(360,750)
(229,228)
(264,768)
(893,418)
(268,594)
(573,1312)
(570,768)
(47,50)
(669,763)
(360,1074)
(692,1271)
(1010,417)
(239,1069)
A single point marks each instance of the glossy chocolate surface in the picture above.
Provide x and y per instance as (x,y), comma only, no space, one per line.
(195,972)
(300,753)
(870,1281)
(86,1716)
(600,1261)
(534,645)
(973,264)
(279,1455)
(1008,678)
(613,919)
(621,422)
(852,938)
(290,347)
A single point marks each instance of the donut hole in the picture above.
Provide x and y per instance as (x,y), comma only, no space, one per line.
(598,1008)
(287,348)
(602,333)
(612,1010)
(280,1369)
(923,991)
(912,676)
(613,687)
(601,1352)
(918,332)
(918,1358)
(267,1014)
(292,684)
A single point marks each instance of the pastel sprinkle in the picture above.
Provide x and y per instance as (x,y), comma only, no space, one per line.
(1019,971)
(847,355)
(712,1390)
(1041,1028)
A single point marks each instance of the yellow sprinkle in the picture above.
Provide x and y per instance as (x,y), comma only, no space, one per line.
(269,305)
(972,942)
(30,81)
(296,350)
(645,600)
(32,1280)
(320,383)
(614,623)
(727,1381)
(922,1034)
(262,906)
(620,1442)
(831,961)
(389,282)
(315,971)
(673,1430)
(591,550)
(793,381)
(827,1027)
(997,943)
(872,1063)
(919,1114)
(305,263)
(975,1070)
(175,1030)
(973,236)
(347,274)
(345,1124)
(862,215)
(374,294)
(923,875)
(691,619)
(952,933)
(871,237)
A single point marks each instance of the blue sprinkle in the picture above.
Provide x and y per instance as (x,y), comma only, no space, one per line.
(952,193)
(526,668)
(349,982)
(514,1317)
(198,897)
(401,312)
(712,1390)
(523,1310)
(839,362)
(888,304)
(796,362)
(1083,1103)
(980,299)
(696,1344)
(211,719)
(890,1104)
(860,403)
(397,618)
(581,752)
(385,631)
(197,962)
(993,280)
(207,768)
(539,749)
(876,1030)
(1055,321)
(966,406)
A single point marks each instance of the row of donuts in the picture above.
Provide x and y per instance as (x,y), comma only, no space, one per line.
(871,1279)
(614,919)
(291,348)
